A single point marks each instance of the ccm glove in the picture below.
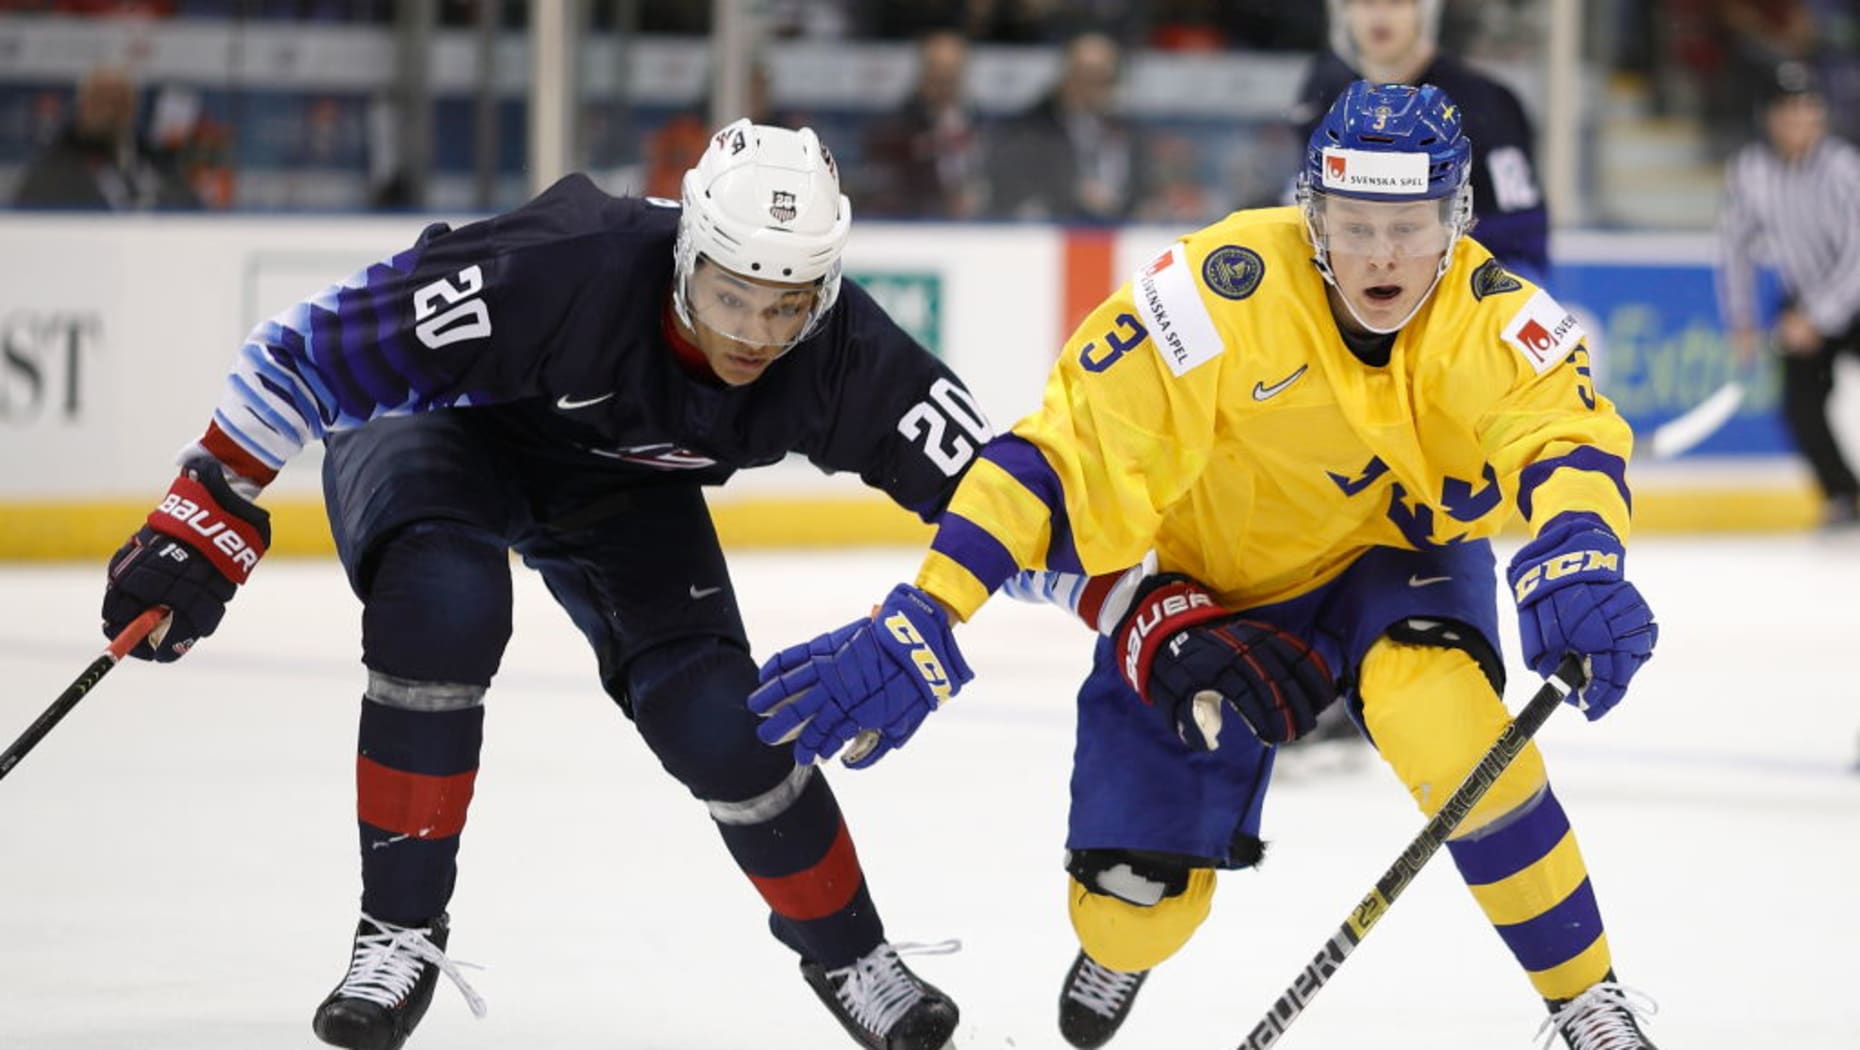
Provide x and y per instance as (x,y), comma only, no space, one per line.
(198,546)
(881,674)
(1572,599)
(1188,656)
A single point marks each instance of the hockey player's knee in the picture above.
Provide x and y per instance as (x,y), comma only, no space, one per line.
(1433,709)
(1132,909)
(687,697)
(437,606)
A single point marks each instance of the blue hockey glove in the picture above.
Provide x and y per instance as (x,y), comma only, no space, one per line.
(1573,599)
(881,674)
(198,546)
(1188,656)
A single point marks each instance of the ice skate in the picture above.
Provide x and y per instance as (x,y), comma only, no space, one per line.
(882,1004)
(1095,1001)
(1606,1017)
(392,972)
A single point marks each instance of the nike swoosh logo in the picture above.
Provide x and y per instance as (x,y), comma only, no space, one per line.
(704,592)
(570,404)
(1262,392)
(1424,581)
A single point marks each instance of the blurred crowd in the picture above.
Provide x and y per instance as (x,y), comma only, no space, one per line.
(1074,155)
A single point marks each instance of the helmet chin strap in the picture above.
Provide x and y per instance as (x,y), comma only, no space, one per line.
(1331,279)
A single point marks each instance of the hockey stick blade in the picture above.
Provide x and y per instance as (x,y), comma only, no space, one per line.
(1685,431)
(139,628)
(1568,678)
(859,747)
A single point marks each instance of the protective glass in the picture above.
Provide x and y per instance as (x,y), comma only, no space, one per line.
(747,310)
(1381,229)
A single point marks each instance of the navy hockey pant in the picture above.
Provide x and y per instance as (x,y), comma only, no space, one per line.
(425,510)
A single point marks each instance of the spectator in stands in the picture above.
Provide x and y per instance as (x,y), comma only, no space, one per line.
(98,162)
(1396,42)
(1793,200)
(925,161)
(1071,158)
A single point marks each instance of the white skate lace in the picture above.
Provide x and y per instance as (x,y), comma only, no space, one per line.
(1102,989)
(1602,1018)
(387,964)
(876,990)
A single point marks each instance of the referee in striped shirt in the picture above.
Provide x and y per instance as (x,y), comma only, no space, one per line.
(1793,200)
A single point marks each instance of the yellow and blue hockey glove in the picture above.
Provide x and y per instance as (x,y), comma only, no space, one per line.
(1572,599)
(879,674)
(1188,656)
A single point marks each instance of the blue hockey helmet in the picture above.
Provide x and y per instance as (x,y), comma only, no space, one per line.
(1389,142)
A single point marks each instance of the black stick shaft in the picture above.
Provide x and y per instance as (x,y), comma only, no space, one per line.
(1292,1002)
(119,646)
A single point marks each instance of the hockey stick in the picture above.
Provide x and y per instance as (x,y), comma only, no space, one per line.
(1569,676)
(119,647)
(1682,432)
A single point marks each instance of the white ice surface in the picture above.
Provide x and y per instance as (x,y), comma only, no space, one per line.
(178,866)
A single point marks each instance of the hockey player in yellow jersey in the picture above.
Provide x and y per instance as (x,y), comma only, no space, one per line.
(1310,420)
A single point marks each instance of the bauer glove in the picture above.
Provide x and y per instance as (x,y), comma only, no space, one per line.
(198,546)
(1189,657)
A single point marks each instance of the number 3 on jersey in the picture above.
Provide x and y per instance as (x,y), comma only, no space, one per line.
(467,319)
(929,421)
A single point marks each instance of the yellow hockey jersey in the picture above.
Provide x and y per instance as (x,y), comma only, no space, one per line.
(1210,410)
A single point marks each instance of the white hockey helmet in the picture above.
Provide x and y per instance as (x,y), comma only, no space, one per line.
(764,202)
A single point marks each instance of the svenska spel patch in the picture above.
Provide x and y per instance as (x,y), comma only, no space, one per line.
(1364,171)
(1543,331)
(1172,309)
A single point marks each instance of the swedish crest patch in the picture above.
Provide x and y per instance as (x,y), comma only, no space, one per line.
(1493,279)
(1232,272)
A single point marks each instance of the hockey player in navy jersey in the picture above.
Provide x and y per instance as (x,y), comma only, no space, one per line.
(561,381)
(1396,42)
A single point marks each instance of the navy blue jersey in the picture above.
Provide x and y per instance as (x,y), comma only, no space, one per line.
(1507,199)
(558,311)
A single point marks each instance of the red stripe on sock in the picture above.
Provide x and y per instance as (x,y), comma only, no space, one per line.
(424,807)
(819,891)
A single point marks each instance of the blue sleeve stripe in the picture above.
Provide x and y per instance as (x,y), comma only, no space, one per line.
(363,345)
(256,448)
(1557,935)
(1023,461)
(321,398)
(294,347)
(361,394)
(975,549)
(265,412)
(1587,457)
(284,385)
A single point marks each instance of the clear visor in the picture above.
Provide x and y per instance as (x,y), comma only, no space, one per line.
(748,310)
(1381,229)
